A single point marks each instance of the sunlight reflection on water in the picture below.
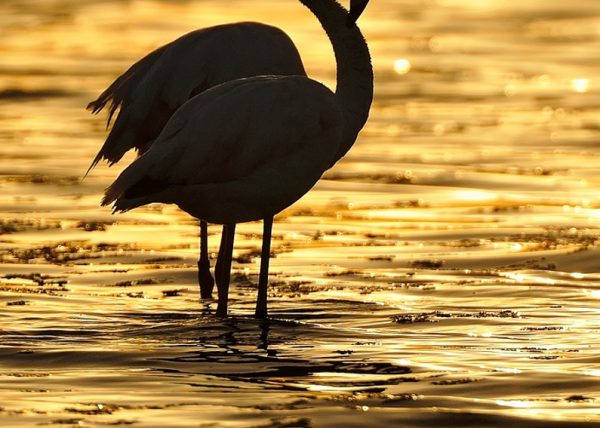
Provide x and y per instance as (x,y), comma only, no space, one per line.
(444,273)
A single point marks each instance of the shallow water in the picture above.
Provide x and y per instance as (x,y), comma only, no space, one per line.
(445,273)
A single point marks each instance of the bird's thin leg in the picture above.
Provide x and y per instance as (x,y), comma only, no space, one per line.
(219,263)
(263,280)
(205,278)
(223,268)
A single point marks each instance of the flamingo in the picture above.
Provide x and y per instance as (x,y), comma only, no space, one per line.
(153,88)
(248,148)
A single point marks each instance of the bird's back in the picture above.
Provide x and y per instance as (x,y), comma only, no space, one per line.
(156,86)
(280,133)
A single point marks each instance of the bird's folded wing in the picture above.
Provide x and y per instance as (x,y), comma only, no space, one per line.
(236,128)
(141,93)
(155,86)
(231,131)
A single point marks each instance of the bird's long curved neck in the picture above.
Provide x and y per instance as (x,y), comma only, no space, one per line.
(354,89)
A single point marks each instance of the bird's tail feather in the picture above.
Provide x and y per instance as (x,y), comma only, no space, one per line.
(119,92)
(118,142)
(115,94)
(124,204)
(124,85)
(93,164)
(131,176)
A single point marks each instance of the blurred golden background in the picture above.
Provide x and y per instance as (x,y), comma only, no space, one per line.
(445,272)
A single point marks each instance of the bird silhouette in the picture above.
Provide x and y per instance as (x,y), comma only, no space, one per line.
(246,149)
(152,89)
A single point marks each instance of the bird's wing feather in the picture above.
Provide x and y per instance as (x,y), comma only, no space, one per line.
(230,131)
(152,89)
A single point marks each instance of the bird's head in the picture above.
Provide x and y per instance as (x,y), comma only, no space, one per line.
(356,9)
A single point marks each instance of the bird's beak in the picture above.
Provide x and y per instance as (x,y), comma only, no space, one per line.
(356,9)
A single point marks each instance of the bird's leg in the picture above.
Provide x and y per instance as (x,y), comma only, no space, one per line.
(205,278)
(223,268)
(263,280)
(219,263)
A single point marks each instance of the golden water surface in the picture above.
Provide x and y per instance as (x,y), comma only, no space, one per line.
(445,273)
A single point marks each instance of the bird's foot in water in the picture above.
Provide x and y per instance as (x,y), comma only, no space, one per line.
(261,314)
(206,310)
(221,311)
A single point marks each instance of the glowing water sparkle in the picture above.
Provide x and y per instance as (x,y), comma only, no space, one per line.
(447,267)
